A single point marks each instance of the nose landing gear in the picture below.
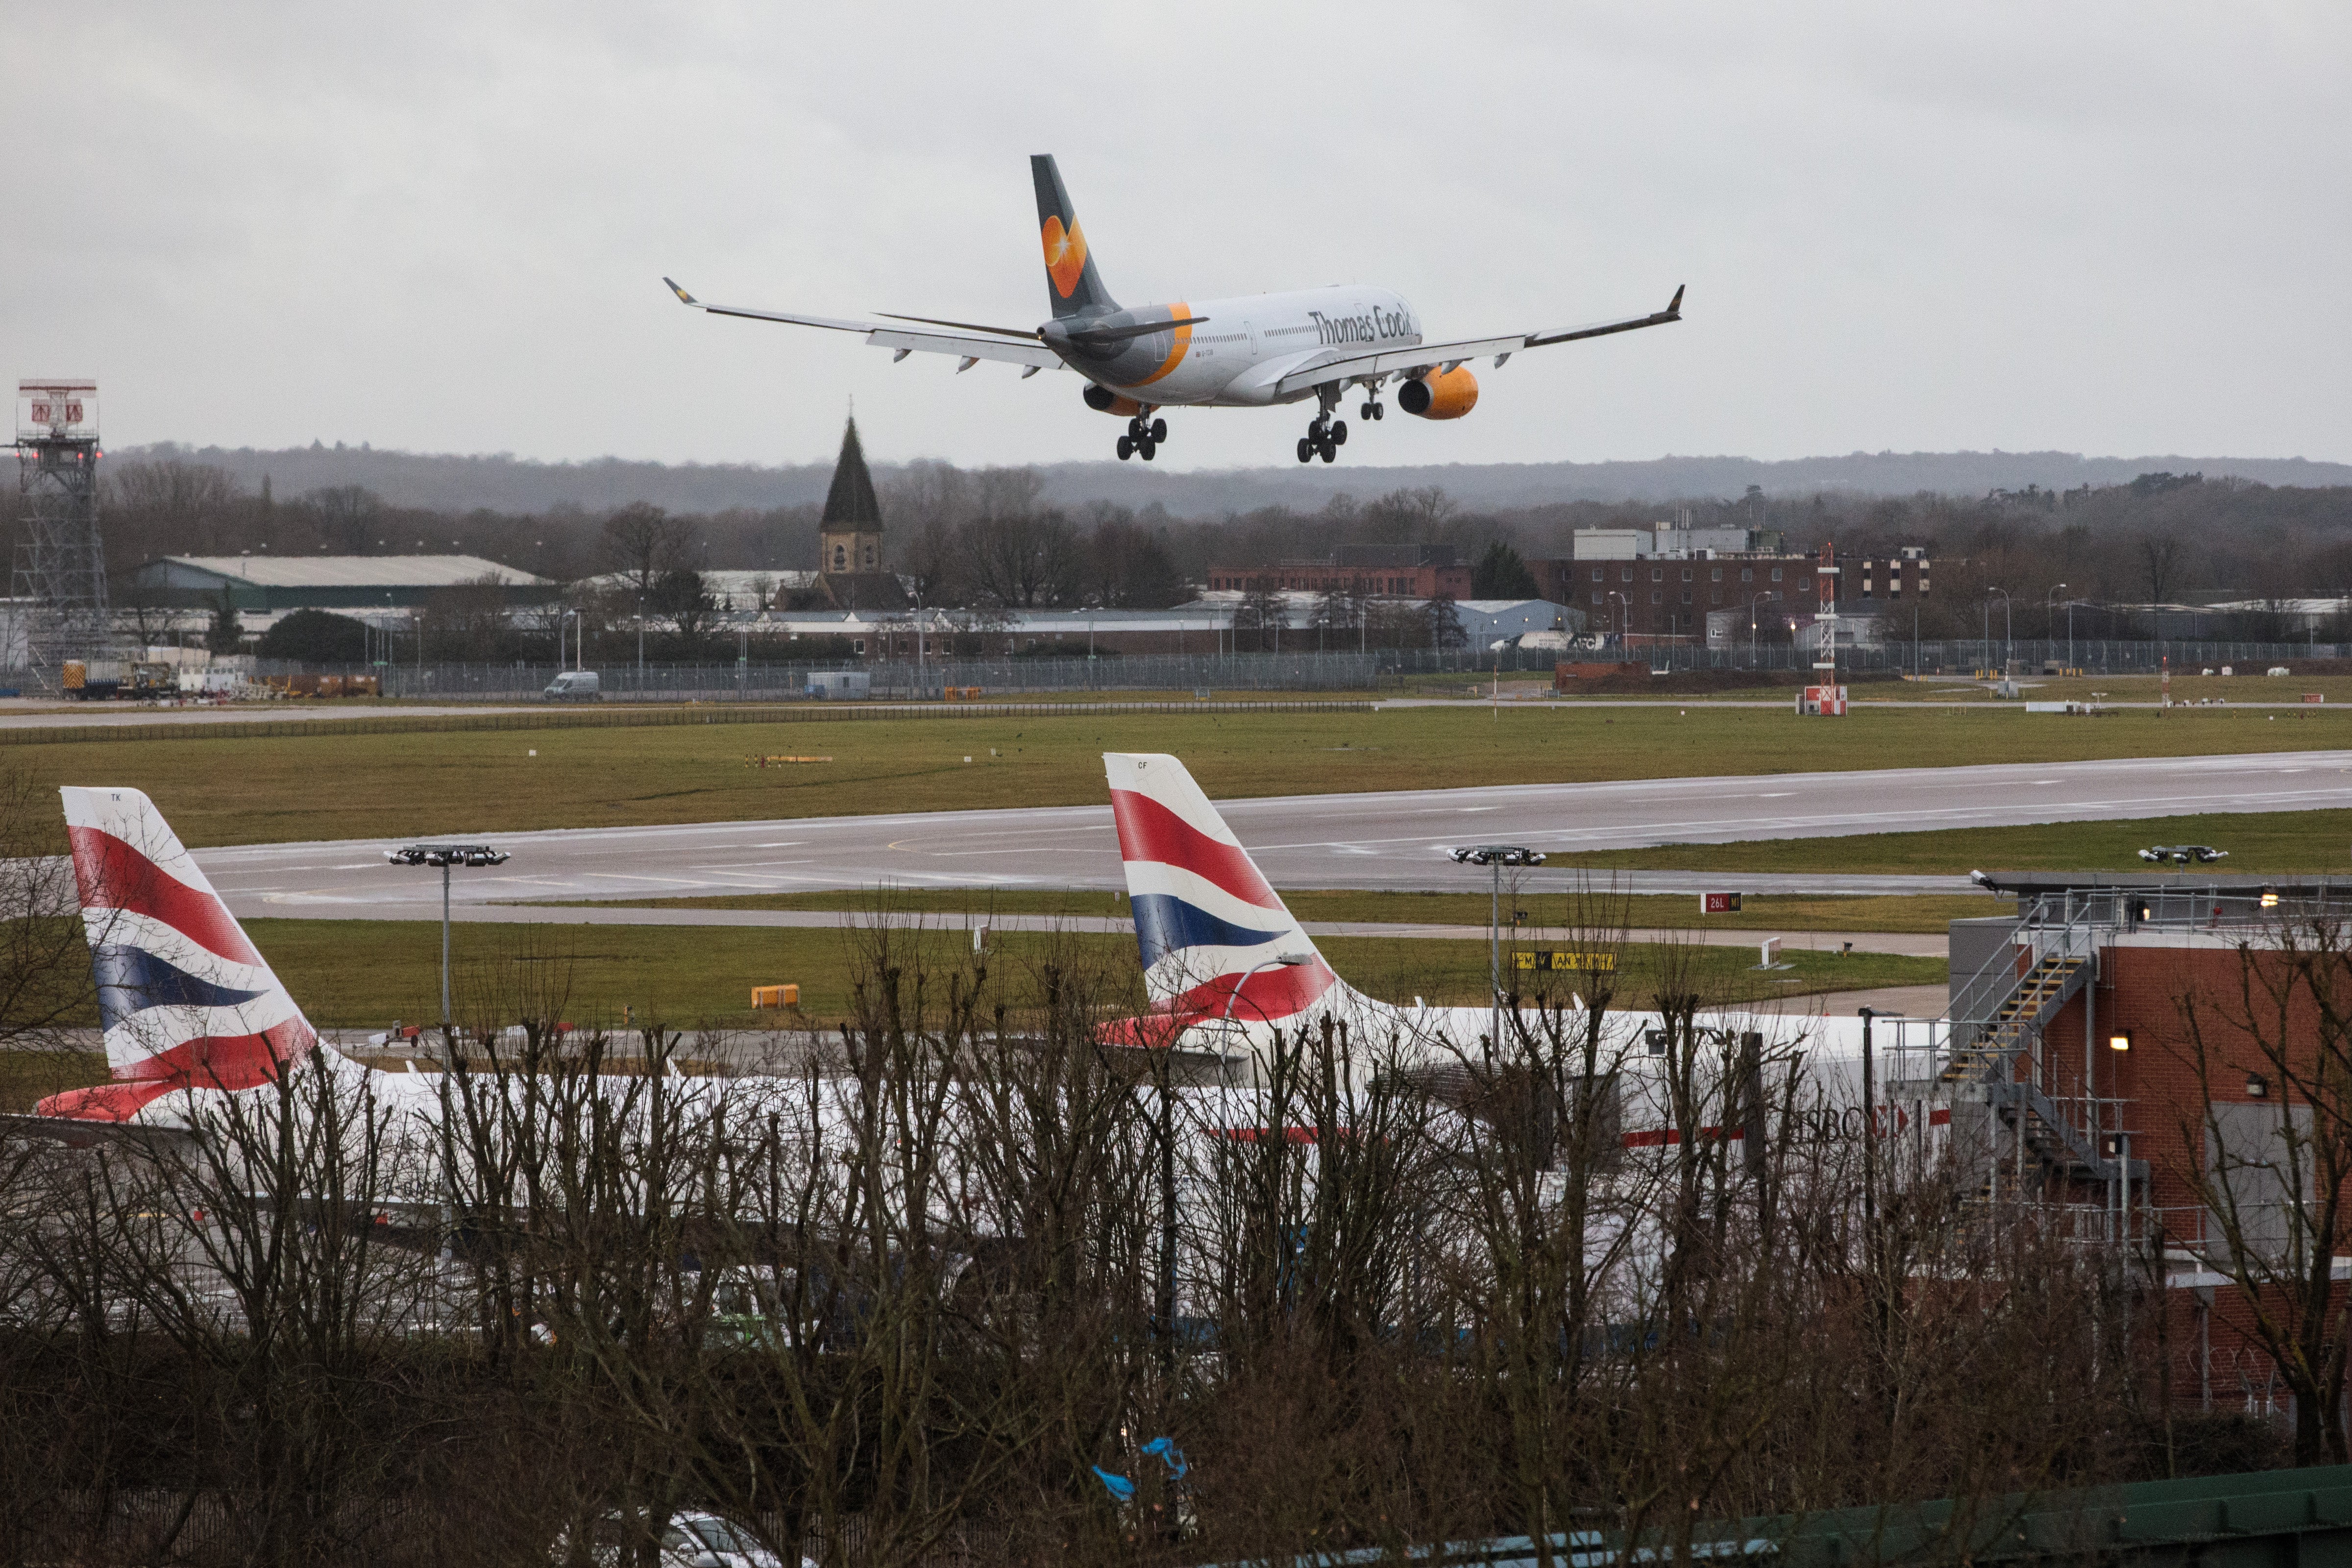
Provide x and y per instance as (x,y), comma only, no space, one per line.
(1144,434)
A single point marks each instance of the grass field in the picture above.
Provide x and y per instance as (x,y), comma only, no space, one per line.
(369,974)
(2298,841)
(236,791)
(1923,912)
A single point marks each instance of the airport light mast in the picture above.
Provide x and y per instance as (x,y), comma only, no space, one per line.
(1496,856)
(445,856)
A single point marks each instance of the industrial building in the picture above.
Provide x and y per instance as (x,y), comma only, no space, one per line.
(351,584)
(2159,1060)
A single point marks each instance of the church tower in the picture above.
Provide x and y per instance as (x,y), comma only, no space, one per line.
(849,535)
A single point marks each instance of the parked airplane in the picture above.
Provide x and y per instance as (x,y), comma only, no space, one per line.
(192,1013)
(1246,353)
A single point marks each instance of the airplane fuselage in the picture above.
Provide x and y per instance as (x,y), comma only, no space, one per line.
(1240,348)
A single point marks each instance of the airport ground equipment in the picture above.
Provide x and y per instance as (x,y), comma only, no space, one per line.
(60,568)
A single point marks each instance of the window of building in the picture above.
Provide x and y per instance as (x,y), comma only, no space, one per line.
(858,647)
(1597,598)
(1748,573)
(1628,574)
(1689,574)
(1715,574)
(1776,574)
(1657,574)
(1686,595)
(1657,596)
(1714,596)
(1599,576)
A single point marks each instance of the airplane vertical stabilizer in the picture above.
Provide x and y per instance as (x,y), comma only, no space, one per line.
(186,1000)
(1210,931)
(1073,286)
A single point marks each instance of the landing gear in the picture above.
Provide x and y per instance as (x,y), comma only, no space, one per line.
(1371,411)
(1144,434)
(1324,435)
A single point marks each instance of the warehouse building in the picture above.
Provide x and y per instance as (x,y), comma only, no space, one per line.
(267,586)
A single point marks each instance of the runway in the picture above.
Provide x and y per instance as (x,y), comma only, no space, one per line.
(1393,840)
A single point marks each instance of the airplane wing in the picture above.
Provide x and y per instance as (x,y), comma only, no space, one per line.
(1445,356)
(976,344)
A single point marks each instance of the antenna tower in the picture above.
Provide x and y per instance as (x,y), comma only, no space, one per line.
(60,569)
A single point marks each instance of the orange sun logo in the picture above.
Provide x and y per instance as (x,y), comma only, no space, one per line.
(1065,255)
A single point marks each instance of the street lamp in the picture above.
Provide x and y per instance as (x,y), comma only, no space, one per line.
(1754,600)
(2006,628)
(1496,856)
(2050,622)
(445,856)
(579,636)
(1624,616)
(1870,1124)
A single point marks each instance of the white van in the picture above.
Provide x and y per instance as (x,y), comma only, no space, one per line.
(575,686)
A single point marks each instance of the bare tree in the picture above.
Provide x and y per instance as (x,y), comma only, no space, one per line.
(2269,1171)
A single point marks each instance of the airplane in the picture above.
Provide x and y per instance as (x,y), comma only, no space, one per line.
(192,1012)
(1252,351)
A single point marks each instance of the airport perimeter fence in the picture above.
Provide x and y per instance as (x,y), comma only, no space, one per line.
(1378,670)
(1375,669)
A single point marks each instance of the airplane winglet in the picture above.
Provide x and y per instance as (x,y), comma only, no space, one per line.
(685,298)
(1673,306)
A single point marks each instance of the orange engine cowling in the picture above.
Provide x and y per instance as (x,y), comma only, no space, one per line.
(1446,397)
(1103,400)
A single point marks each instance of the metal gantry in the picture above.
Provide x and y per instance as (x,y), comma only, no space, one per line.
(59,578)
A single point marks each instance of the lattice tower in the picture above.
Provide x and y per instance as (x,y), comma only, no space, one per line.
(60,567)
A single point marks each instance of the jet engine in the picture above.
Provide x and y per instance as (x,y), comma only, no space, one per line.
(1440,396)
(1103,400)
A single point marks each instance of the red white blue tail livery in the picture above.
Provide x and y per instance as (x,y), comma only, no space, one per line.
(187,1001)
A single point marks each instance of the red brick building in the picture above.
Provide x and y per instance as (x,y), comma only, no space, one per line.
(1366,570)
(2148,1041)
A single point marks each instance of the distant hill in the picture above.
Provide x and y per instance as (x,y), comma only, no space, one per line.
(507,484)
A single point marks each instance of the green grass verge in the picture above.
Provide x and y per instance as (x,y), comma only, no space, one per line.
(282,787)
(1907,912)
(368,974)
(2258,842)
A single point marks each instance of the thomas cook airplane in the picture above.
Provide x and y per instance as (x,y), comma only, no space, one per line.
(1246,353)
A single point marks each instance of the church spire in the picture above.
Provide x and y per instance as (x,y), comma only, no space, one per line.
(851,505)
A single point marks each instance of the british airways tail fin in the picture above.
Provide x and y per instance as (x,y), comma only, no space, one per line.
(186,1000)
(1215,939)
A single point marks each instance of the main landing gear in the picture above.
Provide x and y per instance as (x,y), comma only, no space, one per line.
(1373,411)
(1143,437)
(1324,436)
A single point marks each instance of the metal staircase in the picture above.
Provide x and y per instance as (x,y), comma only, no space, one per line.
(1998,1017)
(2019,1016)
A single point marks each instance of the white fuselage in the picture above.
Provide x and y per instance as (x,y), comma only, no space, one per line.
(1243,346)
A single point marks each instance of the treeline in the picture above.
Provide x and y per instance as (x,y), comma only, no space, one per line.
(994,537)
(911,1300)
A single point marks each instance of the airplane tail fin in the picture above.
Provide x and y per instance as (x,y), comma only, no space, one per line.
(1073,286)
(186,1000)
(1215,939)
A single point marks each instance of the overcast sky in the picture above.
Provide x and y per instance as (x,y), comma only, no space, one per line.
(2115,229)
